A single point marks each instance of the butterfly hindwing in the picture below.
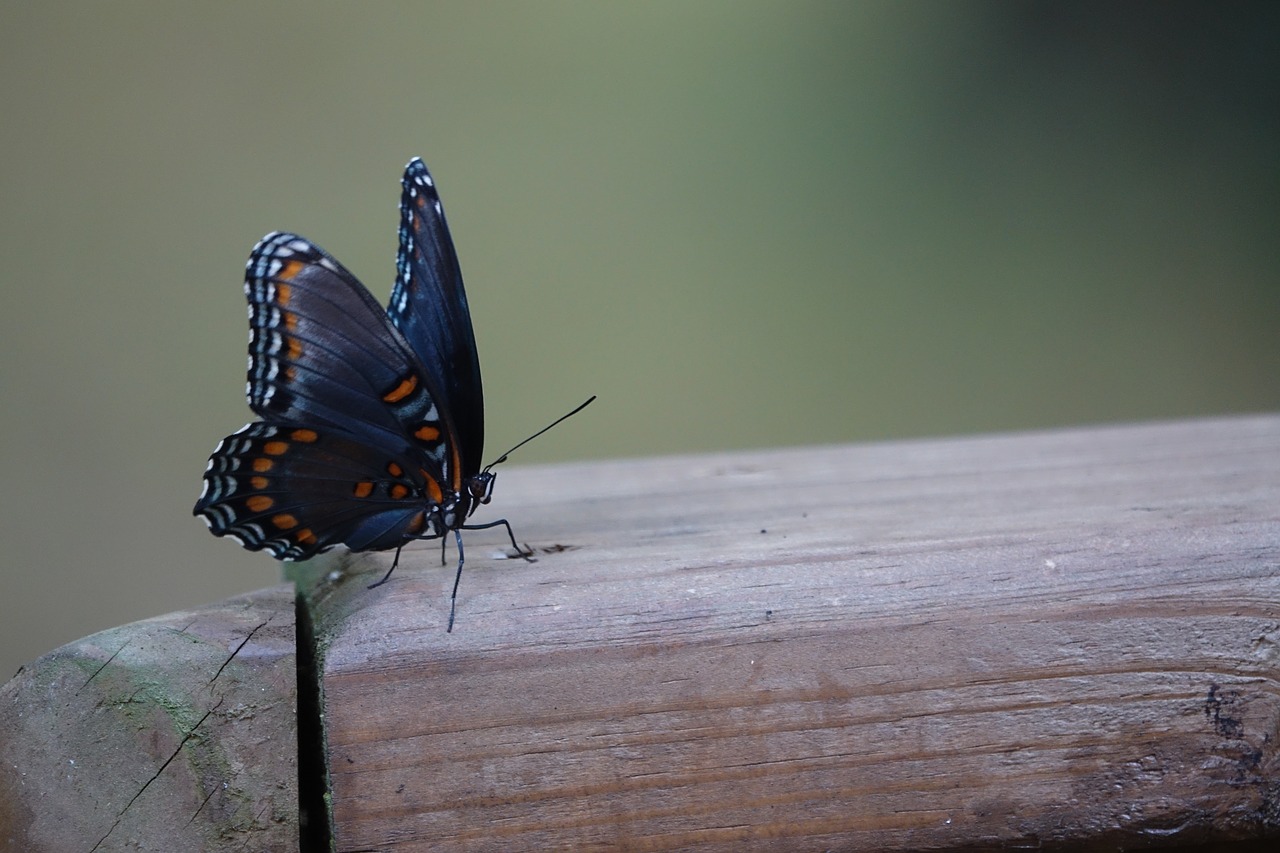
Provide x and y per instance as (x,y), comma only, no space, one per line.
(429,307)
(296,491)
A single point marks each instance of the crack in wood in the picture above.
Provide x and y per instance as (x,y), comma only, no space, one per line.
(205,801)
(105,664)
(236,651)
(156,775)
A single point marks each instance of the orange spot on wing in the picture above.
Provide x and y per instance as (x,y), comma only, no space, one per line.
(433,488)
(295,348)
(283,291)
(284,521)
(260,503)
(259,483)
(399,491)
(305,536)
(306,436)
(276,448)
(290,270)
(419,521)
(261,464)
(394,470)
(426,433)
(404,389)
(363,489)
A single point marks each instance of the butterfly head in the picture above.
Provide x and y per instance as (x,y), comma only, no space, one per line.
(480,489)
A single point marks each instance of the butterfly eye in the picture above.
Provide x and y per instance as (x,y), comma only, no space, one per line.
(480,487)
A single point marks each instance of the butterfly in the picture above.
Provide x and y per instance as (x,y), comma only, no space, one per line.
(372,421)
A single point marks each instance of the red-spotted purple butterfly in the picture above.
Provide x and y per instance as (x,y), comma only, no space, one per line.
(372,421)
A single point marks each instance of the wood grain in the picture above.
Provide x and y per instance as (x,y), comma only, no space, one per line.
(1063,638)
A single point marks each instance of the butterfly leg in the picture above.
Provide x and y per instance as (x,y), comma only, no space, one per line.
(387,576)
(396,561)
(526,552)
(453,597)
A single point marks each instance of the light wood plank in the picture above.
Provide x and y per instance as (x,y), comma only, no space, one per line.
(1012,639)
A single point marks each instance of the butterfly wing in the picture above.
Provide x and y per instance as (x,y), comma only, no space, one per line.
(353,447)
(429,307)
(322,351)
(297,491)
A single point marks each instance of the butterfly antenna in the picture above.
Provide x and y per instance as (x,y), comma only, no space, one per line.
(503,457)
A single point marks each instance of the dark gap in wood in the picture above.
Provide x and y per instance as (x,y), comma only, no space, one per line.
(315,831)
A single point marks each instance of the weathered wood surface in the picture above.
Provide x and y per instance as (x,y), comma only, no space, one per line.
(1065,638)
(173,734)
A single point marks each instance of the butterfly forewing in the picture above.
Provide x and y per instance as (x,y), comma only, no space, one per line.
(429,306)
(322,352)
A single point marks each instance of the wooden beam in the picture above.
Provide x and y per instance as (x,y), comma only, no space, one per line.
(1034,639)
(176,733)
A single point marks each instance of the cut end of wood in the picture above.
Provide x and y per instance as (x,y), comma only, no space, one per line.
(175,733)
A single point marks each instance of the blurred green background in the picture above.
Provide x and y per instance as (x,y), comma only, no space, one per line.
(742,224)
